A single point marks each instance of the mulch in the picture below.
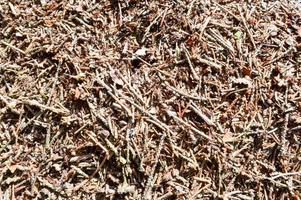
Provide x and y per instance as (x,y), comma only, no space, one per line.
(129,99)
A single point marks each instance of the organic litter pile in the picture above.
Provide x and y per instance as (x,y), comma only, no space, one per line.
(129,99)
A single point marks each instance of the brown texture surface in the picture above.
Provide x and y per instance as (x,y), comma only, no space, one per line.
(150,100)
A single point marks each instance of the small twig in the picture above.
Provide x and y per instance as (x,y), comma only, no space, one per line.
(99,144)
(194,74)
(248,30)
(154,121)
(223,42)
(135,94)
(13,103)
(165,196)
(184,94)
(173,115)
(150,26)
(279,175)
(163,17)
(147,191)
(109,90)
(278,58)
(284,128)
(204,26)
(228,11)
(120,14)
(201,114)
(190,8)
(84,23)
(44,107)
(54,83)
(10,103)
(13,47)
(210,63)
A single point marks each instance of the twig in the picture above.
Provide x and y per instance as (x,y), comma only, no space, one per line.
(225,43)
(13,47)
(190,8)
(284,143)
(63,112)
(109,90)
(99,144)
(54,83)
(279,175)
(194,74)
(10,103)
(228,11)
(201,114)
(150,26)
(204,26)
(248,30)
(210,63)
(135,94)
(278,58)
(183,94)
(173,115)
(153,120)
(147,191)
